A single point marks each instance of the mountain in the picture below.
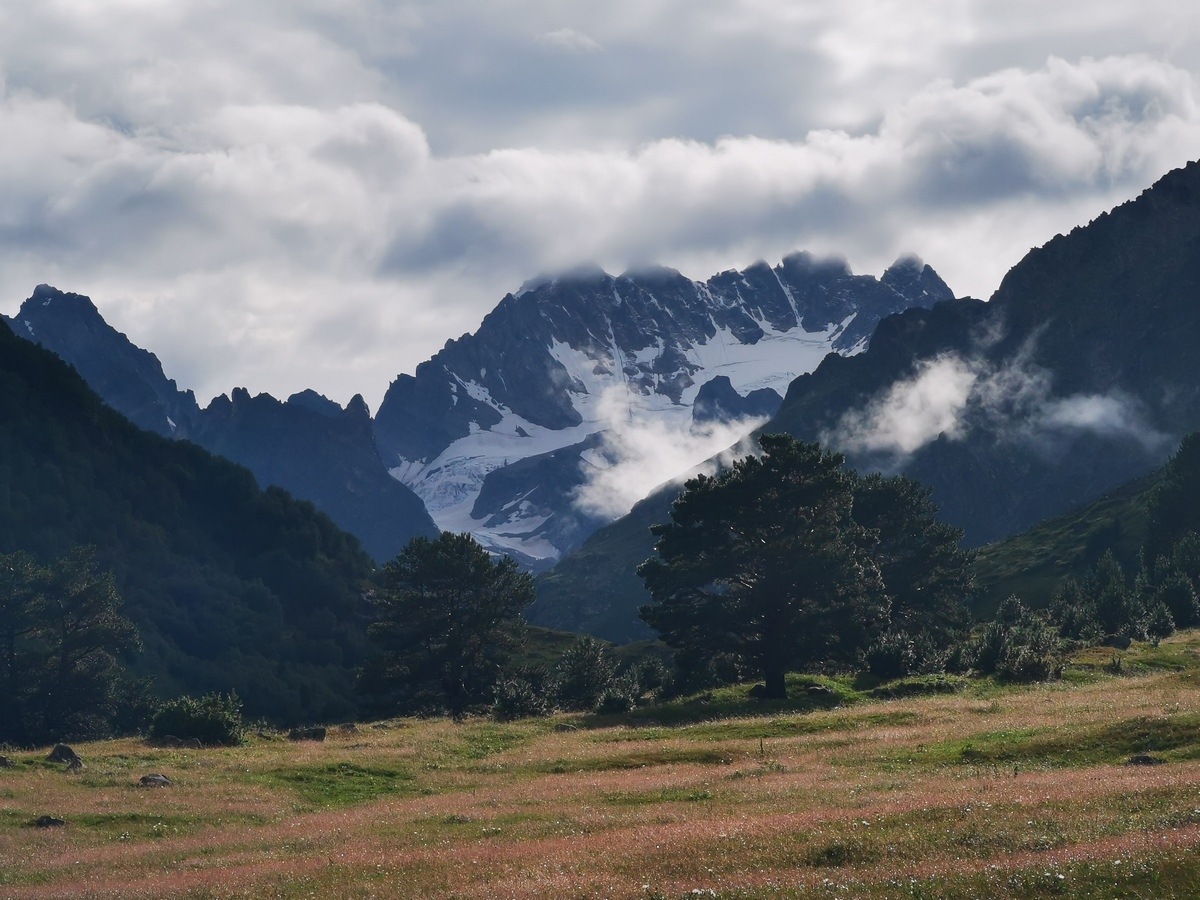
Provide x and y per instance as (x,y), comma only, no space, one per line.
(502,429)
(307,445)
(320,452)
(505,432)
(232,587)
(127,378)
(1076,377)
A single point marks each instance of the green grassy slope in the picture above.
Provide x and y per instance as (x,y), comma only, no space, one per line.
(1031,564)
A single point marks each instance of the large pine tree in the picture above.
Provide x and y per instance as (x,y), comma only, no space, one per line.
(788,561)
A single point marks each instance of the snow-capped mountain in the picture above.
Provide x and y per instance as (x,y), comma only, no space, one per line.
(507,433)
(576,397)
(1077,376)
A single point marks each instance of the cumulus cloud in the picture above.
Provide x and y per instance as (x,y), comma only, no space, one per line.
(640,452)
(292,194)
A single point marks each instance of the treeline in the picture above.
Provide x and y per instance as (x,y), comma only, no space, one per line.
(785,562)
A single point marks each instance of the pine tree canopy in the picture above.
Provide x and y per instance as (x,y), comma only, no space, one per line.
(788,561)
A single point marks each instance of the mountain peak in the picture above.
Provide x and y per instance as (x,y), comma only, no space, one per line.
(357,408)
(45,295)
(542,375)
(804,264)
(314,402)
(130,379)
(911,278)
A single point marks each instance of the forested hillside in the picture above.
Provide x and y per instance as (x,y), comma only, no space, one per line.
(231,587)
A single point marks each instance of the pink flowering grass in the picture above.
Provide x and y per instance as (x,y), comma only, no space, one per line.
(1001,792)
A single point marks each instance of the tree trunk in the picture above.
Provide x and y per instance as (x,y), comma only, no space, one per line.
(776,688)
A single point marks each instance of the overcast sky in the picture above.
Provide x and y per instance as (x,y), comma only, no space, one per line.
(281,194)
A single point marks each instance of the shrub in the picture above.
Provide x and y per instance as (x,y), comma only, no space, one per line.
(582,675)
(1179,597)
(652,676)
(919,686)
(621,695)
(896,654)
(212,719)
(521,694)
(1019,645)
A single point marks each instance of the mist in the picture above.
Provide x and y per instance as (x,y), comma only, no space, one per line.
(952,394)
(639,452)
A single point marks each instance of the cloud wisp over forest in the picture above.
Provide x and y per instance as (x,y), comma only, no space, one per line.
(284,195)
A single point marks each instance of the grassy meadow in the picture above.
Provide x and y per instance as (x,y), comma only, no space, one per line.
(956,790)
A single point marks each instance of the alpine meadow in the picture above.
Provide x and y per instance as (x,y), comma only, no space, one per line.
(449,544)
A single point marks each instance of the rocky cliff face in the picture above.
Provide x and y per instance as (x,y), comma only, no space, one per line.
(501,429)
(126,377)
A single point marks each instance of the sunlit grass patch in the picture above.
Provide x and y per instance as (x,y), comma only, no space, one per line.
(480,740)
(1174,737)
(635,759)
(662,795)
(754,728)
(337,784)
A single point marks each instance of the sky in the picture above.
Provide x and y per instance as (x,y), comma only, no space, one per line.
(291,194)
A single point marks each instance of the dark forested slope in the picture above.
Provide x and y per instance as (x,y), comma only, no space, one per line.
(232,587)
(307,445)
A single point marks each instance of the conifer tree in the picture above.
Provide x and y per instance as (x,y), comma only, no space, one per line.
(766,562)
(448,619)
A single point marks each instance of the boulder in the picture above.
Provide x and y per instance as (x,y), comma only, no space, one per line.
(50,822)
(1143,759)
(64,754)
(6,763)
(155,780)
(312,733)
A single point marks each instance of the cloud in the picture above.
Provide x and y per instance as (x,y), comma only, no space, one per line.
(912,412)
(292,194)
(953,394)
(1107,415)
(640,452)
(569,40)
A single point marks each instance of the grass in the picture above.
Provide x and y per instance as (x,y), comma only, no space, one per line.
(1032,563)
(924,789)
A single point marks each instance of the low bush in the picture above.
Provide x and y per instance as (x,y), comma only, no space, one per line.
(919,686)
(522,694)
(1019,645)
(213,720)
